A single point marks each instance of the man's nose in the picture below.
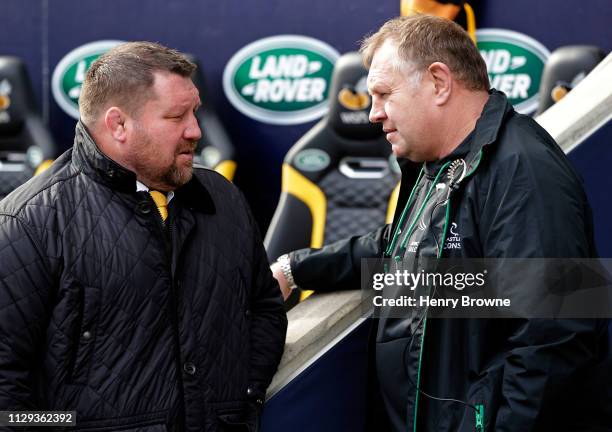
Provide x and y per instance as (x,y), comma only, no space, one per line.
(193,132)
(377,112)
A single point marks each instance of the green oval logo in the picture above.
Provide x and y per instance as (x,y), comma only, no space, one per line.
(311,160)
(515,63)
(281,79)
(70,72)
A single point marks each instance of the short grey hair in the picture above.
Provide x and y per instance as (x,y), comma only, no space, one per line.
(424,39)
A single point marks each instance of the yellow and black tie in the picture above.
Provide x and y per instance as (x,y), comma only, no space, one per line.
(161,202)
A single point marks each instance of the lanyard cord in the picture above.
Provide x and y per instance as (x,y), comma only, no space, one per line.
(423,321)
(423,318)
(418,215)
(398,228)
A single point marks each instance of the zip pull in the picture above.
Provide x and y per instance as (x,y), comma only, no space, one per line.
(479,417)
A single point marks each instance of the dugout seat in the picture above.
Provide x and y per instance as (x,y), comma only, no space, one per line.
(340,179)
(26,146)
(564,69)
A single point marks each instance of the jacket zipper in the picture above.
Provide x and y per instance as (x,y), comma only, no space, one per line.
(480,407)
(418,383)
(175,326)
(479,417)
(166,231)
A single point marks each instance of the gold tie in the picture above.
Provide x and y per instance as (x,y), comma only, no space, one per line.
(161,202)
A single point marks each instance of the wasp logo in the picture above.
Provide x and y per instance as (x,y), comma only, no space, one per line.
(5,93)
(5,100)
(353,100)
(355,97)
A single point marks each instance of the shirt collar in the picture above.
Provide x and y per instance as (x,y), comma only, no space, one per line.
(141,187)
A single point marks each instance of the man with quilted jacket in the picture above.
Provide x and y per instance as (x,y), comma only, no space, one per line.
(134,288)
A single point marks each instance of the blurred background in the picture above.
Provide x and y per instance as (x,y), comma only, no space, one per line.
(43,32)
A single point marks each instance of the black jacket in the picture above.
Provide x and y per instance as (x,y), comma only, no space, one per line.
(520,198)
(134,325)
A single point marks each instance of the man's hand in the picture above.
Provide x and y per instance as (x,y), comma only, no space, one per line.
(282,281)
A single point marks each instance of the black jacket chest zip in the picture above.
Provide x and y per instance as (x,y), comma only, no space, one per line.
(163,230)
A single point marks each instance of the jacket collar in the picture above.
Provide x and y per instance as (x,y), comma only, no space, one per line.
(490,121)
(89,159)
(485,132)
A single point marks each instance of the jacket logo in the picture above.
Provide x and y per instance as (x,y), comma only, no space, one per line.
(454,241)
(412,248)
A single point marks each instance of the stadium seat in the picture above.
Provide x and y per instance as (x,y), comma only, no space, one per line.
(340,179)
(564,69)
(26,146)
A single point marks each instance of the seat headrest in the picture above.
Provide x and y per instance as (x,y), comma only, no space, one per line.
(564,69)
(16,95)
(349,102)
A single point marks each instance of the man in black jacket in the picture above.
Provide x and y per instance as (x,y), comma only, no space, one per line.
(493,184)
(134,289)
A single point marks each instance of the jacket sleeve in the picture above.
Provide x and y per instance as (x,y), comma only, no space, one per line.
(25,296)
(536,209)
(336,266)
(268,319)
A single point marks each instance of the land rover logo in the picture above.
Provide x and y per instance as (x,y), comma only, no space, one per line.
(515,62)
(311,160)
(70,72)
(281,79)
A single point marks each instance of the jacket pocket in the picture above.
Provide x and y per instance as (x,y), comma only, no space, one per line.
(83,336)
(234,416)
(242,299)
(486,397)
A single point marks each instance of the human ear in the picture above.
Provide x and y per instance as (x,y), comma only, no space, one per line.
(114,121)
(442,80)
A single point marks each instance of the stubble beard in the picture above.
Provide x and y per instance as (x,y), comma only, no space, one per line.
(165,179)
(176,176)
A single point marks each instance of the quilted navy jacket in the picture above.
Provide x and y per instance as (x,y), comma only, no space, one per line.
(134,325)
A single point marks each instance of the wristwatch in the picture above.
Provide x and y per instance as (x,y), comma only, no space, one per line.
(285,265)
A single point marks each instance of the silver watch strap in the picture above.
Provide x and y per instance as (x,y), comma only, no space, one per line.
(285,265)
